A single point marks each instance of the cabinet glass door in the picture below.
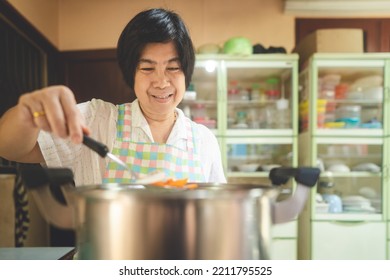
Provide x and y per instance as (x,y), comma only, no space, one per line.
(344,94)
(200,100)
(351,181)
(259,95)
(251,159)
(352,98)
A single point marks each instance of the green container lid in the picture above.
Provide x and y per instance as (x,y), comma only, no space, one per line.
(241,114)
(255,86)
(191,87)
(272,81)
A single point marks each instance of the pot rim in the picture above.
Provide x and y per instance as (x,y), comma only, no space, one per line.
(203,191)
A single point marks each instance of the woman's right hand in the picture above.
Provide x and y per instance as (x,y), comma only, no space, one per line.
(54,110)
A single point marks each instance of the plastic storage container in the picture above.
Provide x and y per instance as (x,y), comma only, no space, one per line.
(241,120)
(341,91)
(304,114)
(282,114)
(190,93)
(255,92)
(199,112)
(272,90)
(233,91)
(349,114)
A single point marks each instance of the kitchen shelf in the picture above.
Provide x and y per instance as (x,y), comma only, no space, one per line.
(199,101)
(265,135)
(256,174)
(350,132)
(355,174)
(349,217)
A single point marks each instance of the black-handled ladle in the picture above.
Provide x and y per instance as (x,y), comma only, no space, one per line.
(103,151)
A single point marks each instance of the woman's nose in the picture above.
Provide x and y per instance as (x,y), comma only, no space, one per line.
(161,80)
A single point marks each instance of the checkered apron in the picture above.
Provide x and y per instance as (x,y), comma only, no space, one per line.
(144,158)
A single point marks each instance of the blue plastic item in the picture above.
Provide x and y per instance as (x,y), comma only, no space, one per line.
(349,122)
(335,203)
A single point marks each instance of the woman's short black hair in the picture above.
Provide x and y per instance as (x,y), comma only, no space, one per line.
(154,26)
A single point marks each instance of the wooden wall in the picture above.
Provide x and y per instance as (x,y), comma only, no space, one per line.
(95,74)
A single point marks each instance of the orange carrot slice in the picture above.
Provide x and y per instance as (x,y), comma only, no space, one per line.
(179,183)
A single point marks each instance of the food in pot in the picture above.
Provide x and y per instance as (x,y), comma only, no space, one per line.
(179,183)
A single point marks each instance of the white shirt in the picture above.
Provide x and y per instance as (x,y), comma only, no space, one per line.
(101,117)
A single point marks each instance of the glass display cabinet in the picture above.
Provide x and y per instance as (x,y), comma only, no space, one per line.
(344,127)
(251,104)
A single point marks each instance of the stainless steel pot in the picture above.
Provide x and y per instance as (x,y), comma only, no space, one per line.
(214,221)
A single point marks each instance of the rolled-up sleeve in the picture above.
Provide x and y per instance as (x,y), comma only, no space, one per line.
(86,165)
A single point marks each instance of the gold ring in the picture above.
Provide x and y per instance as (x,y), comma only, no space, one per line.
(39,114)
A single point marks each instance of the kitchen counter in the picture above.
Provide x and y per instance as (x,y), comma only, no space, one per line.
(37,253)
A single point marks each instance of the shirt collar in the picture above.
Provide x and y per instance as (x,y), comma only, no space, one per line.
(137,117)
(179,130)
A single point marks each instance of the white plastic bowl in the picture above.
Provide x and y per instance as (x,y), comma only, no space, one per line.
(270,166)
(373,93)
(338,168)
(249,167)
(367,82)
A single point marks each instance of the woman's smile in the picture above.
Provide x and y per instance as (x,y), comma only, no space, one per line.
(162,97)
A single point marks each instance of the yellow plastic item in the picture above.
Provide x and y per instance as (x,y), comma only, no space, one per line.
(334,124)
(304,105)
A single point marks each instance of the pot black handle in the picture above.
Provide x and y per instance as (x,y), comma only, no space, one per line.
(7,170)
(35,176)
(96,146)
(307,176)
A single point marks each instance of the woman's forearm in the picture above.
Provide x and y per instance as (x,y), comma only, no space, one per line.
(18,138)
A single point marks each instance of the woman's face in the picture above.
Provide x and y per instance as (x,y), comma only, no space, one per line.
(159,80)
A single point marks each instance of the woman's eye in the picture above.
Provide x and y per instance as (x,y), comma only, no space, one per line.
(146,69)
(173,69)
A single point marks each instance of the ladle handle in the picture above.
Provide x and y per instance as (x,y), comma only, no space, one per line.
(98,147)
